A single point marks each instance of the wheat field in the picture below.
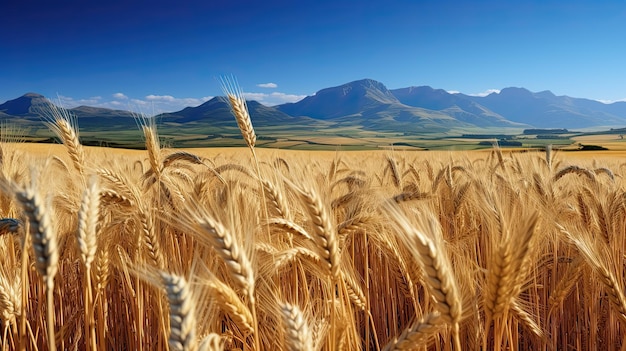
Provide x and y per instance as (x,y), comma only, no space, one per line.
(256,249)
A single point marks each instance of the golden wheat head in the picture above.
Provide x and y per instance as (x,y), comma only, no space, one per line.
(239,108)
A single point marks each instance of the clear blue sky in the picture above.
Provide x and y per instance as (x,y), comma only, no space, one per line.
(167,54)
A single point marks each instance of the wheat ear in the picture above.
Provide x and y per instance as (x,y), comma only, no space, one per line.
(238,107)
(229,249)
(574,169)
(297,334)
(87,222)
(151,239)
(182,316)
(285,257)
(417,334)
(278,201)
(549,155)
(10,305)
(596,255)
(566,284)
(438,274)
(63,124)
(87,243)
(355,293)
(508,267)
(232,253)
(45,246)
(211,342)
(231,304)
(290,227)
(10,300)
(70,140)
(324,234)
(395,174)
(153,148)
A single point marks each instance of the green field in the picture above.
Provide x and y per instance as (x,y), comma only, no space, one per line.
(289,137)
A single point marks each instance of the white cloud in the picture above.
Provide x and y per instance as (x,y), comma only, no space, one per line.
(611,101)
(267,85)
(486,92)
(169,103)
(69,102)
(154,104)
(453,91)
(167,98)
(150,104)
(275,98)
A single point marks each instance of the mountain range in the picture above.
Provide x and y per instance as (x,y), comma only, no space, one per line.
(367,105)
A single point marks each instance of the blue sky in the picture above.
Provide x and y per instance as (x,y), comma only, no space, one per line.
(164,55)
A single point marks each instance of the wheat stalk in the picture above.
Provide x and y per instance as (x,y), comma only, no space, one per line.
(101,274)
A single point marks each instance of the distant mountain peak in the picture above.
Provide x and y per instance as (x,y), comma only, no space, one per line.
(343,100)
(356,87)
(23,105)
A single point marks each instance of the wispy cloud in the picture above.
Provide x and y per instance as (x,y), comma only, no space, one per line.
(153,104)
(453,92)
(268,85)
(486,92)
(169,103)
(68,101)
(150,104)
(275,98)
(165,98)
